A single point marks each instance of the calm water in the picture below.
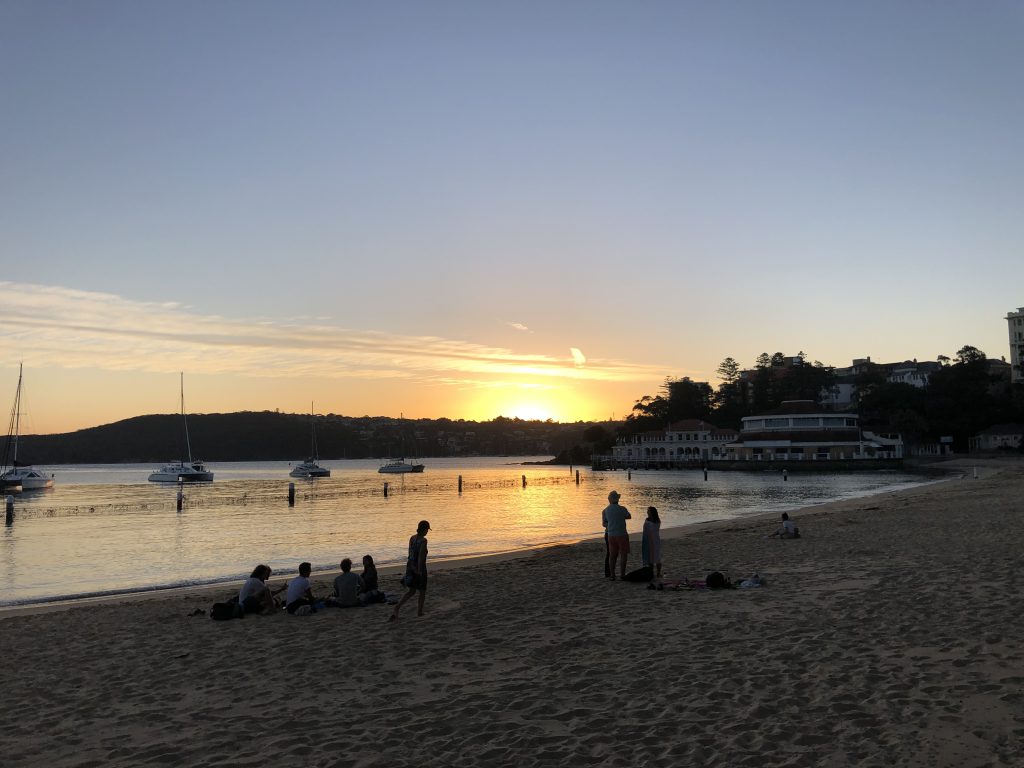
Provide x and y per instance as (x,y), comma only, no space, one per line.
(104,528)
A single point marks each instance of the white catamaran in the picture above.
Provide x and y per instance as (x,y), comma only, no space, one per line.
(311,468)
(12,474)
(192,471)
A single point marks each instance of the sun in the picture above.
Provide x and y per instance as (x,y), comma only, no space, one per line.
(530,412)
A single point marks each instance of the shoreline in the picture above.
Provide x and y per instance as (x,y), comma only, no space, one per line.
(46,605)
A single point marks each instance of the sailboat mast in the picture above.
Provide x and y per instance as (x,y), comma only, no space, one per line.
(14,428)
(188,444)
(312,432)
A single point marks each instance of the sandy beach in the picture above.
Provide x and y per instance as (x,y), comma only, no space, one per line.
(888,635)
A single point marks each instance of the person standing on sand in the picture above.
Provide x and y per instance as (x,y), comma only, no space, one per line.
(650,548)
(614,518)
(415,579)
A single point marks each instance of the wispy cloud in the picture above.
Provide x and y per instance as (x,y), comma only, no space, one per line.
(49,325)
(519,327)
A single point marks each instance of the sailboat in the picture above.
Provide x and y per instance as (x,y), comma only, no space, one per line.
(311,467)
(399,466)
(194,471)
(19,475)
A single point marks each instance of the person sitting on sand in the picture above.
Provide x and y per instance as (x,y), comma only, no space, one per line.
(371,589)
(347,587)
(613,518)
(650,547)
(255,596)
(415,579)
(787,530)
(299,591)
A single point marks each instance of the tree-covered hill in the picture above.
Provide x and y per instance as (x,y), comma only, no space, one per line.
(272,436)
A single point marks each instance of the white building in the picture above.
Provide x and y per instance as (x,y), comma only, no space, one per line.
(800,430)
(687,441)
(1015,322)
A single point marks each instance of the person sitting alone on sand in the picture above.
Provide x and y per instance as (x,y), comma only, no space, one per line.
(371,589)
(787,530)
(299,591)
(613,518)
(255,596)
(347,587)
(650,547)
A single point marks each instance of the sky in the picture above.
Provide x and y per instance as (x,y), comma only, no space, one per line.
(466,210)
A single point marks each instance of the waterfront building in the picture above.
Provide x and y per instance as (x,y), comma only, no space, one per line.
(1015,324)
(802,430)
(998,437)
(684,442)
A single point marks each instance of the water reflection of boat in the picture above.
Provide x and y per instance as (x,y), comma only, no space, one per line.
(20,476)
(399,467)
(192,471)
(311,467)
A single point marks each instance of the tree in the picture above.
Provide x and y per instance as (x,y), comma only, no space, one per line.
(969,355)
(688,399)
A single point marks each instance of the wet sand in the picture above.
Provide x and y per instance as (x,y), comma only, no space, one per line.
(888,635)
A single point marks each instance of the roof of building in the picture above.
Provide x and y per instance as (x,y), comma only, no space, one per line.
(690,425)
(1004,429)
(794,408)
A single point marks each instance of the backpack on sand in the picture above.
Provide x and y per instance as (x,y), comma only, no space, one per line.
(225,611)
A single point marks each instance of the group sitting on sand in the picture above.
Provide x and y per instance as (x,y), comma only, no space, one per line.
(351,590)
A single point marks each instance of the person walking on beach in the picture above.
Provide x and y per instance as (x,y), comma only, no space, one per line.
(650,547)
(614,518)
(415,579)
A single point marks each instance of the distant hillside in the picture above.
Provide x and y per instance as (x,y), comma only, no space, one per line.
(271,436)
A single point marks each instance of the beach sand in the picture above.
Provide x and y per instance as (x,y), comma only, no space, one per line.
(890,634)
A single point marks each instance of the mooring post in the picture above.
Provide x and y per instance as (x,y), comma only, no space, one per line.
(181,496)
(629,474)
(9,504)
(460,485)
(785,476)
(975,473)
(577,477)
(524,481)
(385,490)
(291,494)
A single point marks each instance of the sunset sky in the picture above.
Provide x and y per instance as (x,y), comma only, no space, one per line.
(471,209)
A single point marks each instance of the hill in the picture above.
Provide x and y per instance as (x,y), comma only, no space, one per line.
(272,436)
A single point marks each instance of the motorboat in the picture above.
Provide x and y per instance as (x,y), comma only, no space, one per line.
(181,472)
(311,468)
(191,471)
(399,467)
(14,476)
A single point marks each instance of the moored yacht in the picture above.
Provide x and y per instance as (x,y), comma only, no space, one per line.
(19,477)
(191,471)
(399,467)
(311,468)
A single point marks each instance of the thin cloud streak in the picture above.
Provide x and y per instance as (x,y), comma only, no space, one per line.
(55,326)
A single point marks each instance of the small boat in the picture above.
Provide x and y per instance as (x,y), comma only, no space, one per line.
(191,471)
(180,471)
(311,468)
(19,477)
(399,467)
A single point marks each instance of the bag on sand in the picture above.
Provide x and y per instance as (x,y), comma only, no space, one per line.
(224,611)
(646,573)
(717,580)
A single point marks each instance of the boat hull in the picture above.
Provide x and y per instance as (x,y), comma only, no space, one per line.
(306,471)
(184,473)
(400,468)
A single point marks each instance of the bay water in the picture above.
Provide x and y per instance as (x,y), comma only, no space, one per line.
(103,529)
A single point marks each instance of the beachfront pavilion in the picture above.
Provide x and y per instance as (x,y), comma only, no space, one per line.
(683,442)
(801,430)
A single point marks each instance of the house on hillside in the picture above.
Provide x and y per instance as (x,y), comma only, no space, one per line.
(802,430)
(998,437)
